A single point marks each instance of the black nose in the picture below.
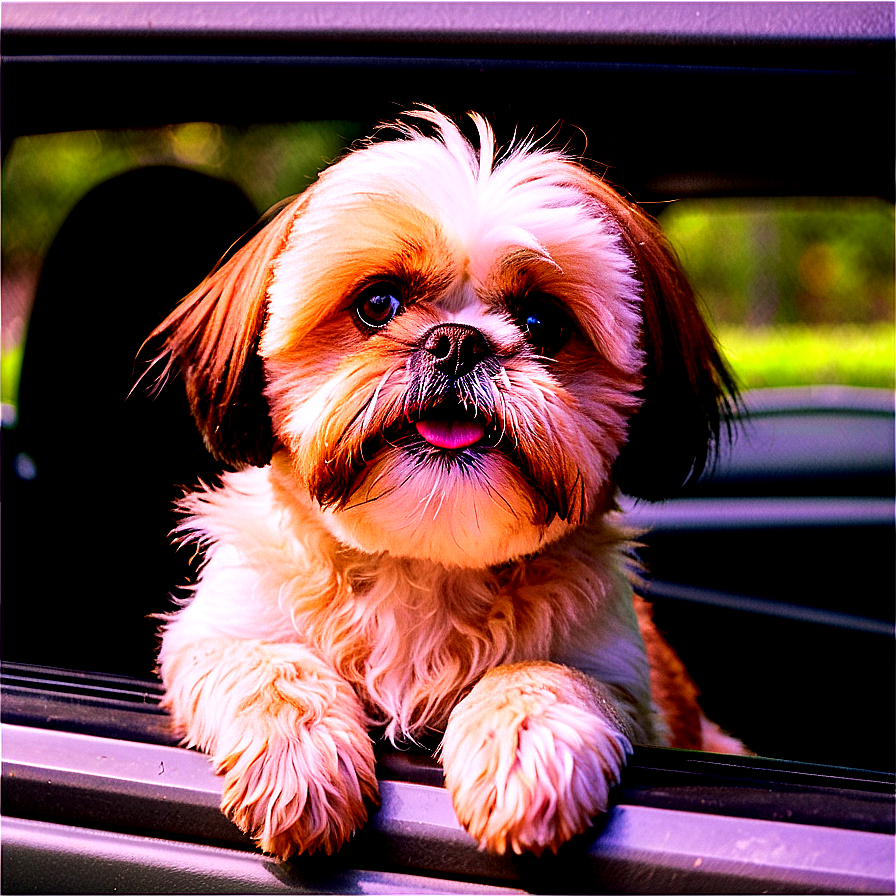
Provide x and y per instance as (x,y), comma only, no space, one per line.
(455,348)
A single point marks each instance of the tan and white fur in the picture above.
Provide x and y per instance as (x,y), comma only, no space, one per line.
(432,371)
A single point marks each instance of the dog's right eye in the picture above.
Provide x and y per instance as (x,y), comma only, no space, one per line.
(377,305)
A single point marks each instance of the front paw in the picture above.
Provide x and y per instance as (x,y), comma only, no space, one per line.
(301,791)
(530,756)
(289,737)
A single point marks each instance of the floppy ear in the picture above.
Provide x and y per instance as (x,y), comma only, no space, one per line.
(212,339)
(688,391)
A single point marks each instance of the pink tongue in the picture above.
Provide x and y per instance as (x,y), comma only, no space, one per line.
(452,434)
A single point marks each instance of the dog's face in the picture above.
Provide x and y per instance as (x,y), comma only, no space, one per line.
(451,351)
(451,346)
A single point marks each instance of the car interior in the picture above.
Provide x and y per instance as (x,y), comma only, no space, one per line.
(772,577)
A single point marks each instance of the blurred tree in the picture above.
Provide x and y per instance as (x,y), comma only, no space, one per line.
(788,261)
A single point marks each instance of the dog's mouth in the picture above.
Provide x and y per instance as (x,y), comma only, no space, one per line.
(448,433)
(449,429)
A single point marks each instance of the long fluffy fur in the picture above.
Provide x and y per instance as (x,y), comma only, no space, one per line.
(410,636)
(359,577)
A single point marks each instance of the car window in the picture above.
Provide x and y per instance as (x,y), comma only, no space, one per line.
(800,292)
(772,577)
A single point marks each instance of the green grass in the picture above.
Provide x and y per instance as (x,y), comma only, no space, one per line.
(800,355)
(10,368)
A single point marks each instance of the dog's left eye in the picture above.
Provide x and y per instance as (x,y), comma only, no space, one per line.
(547,324)
(377,305)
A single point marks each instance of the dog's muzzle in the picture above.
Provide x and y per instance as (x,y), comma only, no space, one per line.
(450,398)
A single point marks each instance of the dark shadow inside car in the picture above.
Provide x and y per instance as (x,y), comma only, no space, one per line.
(96,461)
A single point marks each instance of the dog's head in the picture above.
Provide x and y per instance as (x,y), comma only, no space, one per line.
(463,355)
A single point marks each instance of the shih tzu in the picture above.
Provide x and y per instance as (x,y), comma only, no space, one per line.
(433,372)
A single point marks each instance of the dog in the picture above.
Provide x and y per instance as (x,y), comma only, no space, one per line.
(430,375)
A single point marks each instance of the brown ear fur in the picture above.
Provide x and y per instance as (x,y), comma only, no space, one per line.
(688,390)
(212,339)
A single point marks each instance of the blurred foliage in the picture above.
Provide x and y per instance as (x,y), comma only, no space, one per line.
(780,278)
(772,262)
(800,291)
(45,175)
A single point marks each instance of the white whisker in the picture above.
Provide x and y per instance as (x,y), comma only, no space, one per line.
(428,500)
(372,401)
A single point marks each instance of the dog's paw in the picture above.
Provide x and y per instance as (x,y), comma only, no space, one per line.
(297,762)
(530,757)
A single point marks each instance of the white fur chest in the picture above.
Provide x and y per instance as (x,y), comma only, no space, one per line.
(409,636)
